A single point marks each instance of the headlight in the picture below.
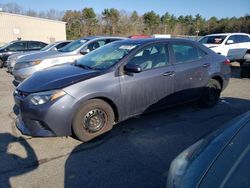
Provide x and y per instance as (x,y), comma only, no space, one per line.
(21,65)
(179,165)
(44,97)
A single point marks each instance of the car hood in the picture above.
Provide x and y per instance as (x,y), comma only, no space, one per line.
(22,54)
(37,56)
(57,77)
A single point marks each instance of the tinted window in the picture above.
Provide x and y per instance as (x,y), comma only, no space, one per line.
(35,45)
(18,46)
(151,57)
(186,53)
(213,39)
(58,46)
(242,38)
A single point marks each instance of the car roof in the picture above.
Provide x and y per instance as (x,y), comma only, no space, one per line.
(222,34)
(153,40)
(99,37)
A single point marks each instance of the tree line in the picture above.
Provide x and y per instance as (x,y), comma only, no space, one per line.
(111,21)
(114,22)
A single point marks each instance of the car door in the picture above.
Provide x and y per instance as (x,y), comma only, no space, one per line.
(148,89)
(191,66)
(244,45)
(234,47)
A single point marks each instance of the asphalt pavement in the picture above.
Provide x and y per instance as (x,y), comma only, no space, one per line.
(136,153)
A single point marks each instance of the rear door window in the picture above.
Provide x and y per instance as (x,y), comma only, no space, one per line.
(35,45)
(186,53)
(18,46)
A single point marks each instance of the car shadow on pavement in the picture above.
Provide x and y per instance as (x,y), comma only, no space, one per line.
(138,151)
(11,164)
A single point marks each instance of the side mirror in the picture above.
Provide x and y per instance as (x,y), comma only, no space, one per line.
(230,42)
(6,49)
(132,68)
(84,51)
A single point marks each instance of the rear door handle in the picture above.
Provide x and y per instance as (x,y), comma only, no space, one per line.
(206,65)
(169,73)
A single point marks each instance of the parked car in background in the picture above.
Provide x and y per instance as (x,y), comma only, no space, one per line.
(232,45)
(11,61)
(116,82)
(29,64)
(17,47)
(221,159)
(139,36)
(245,68)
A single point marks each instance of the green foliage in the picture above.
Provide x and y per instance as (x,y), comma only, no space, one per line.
(151,21)
(114,22)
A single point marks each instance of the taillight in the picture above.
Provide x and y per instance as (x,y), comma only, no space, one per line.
(227,62)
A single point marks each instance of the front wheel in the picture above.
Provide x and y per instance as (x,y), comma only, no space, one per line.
(92,119)
(211,93)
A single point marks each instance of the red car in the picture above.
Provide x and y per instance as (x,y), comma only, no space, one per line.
(139,36)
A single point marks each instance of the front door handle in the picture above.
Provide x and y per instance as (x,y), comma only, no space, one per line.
(169,73)
(206,65)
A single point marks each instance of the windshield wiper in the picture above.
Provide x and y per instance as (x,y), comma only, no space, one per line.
(83,66)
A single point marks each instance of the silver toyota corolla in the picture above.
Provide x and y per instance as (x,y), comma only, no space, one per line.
(27,65)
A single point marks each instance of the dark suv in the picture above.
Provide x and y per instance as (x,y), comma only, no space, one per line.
(18,46)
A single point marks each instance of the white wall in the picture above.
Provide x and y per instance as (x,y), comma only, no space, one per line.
(13,26)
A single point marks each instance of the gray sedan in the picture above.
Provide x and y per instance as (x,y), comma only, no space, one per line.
(116,82)
(29,64)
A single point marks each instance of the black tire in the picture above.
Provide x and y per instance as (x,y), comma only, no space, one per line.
(211,94)
(245,72)
(1,64)
(93,118)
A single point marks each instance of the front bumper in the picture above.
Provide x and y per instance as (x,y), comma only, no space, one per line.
(46,120)
(33,129)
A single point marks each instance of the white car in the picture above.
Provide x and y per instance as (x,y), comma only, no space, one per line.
(232,45)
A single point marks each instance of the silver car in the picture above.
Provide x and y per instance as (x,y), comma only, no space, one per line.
(27,65)
(11,61)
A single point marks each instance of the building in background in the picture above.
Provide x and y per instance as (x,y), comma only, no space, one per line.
(14,26)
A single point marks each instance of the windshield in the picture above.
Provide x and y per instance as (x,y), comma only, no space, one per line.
(45,48)
(213,39)
(6,45)
(104,57)
(73,46)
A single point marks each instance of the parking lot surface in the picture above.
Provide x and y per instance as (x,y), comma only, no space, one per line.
(136,153)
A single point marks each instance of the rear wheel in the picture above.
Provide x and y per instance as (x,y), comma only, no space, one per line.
(1,64)
(92,119)
(211,93)
(245,71)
